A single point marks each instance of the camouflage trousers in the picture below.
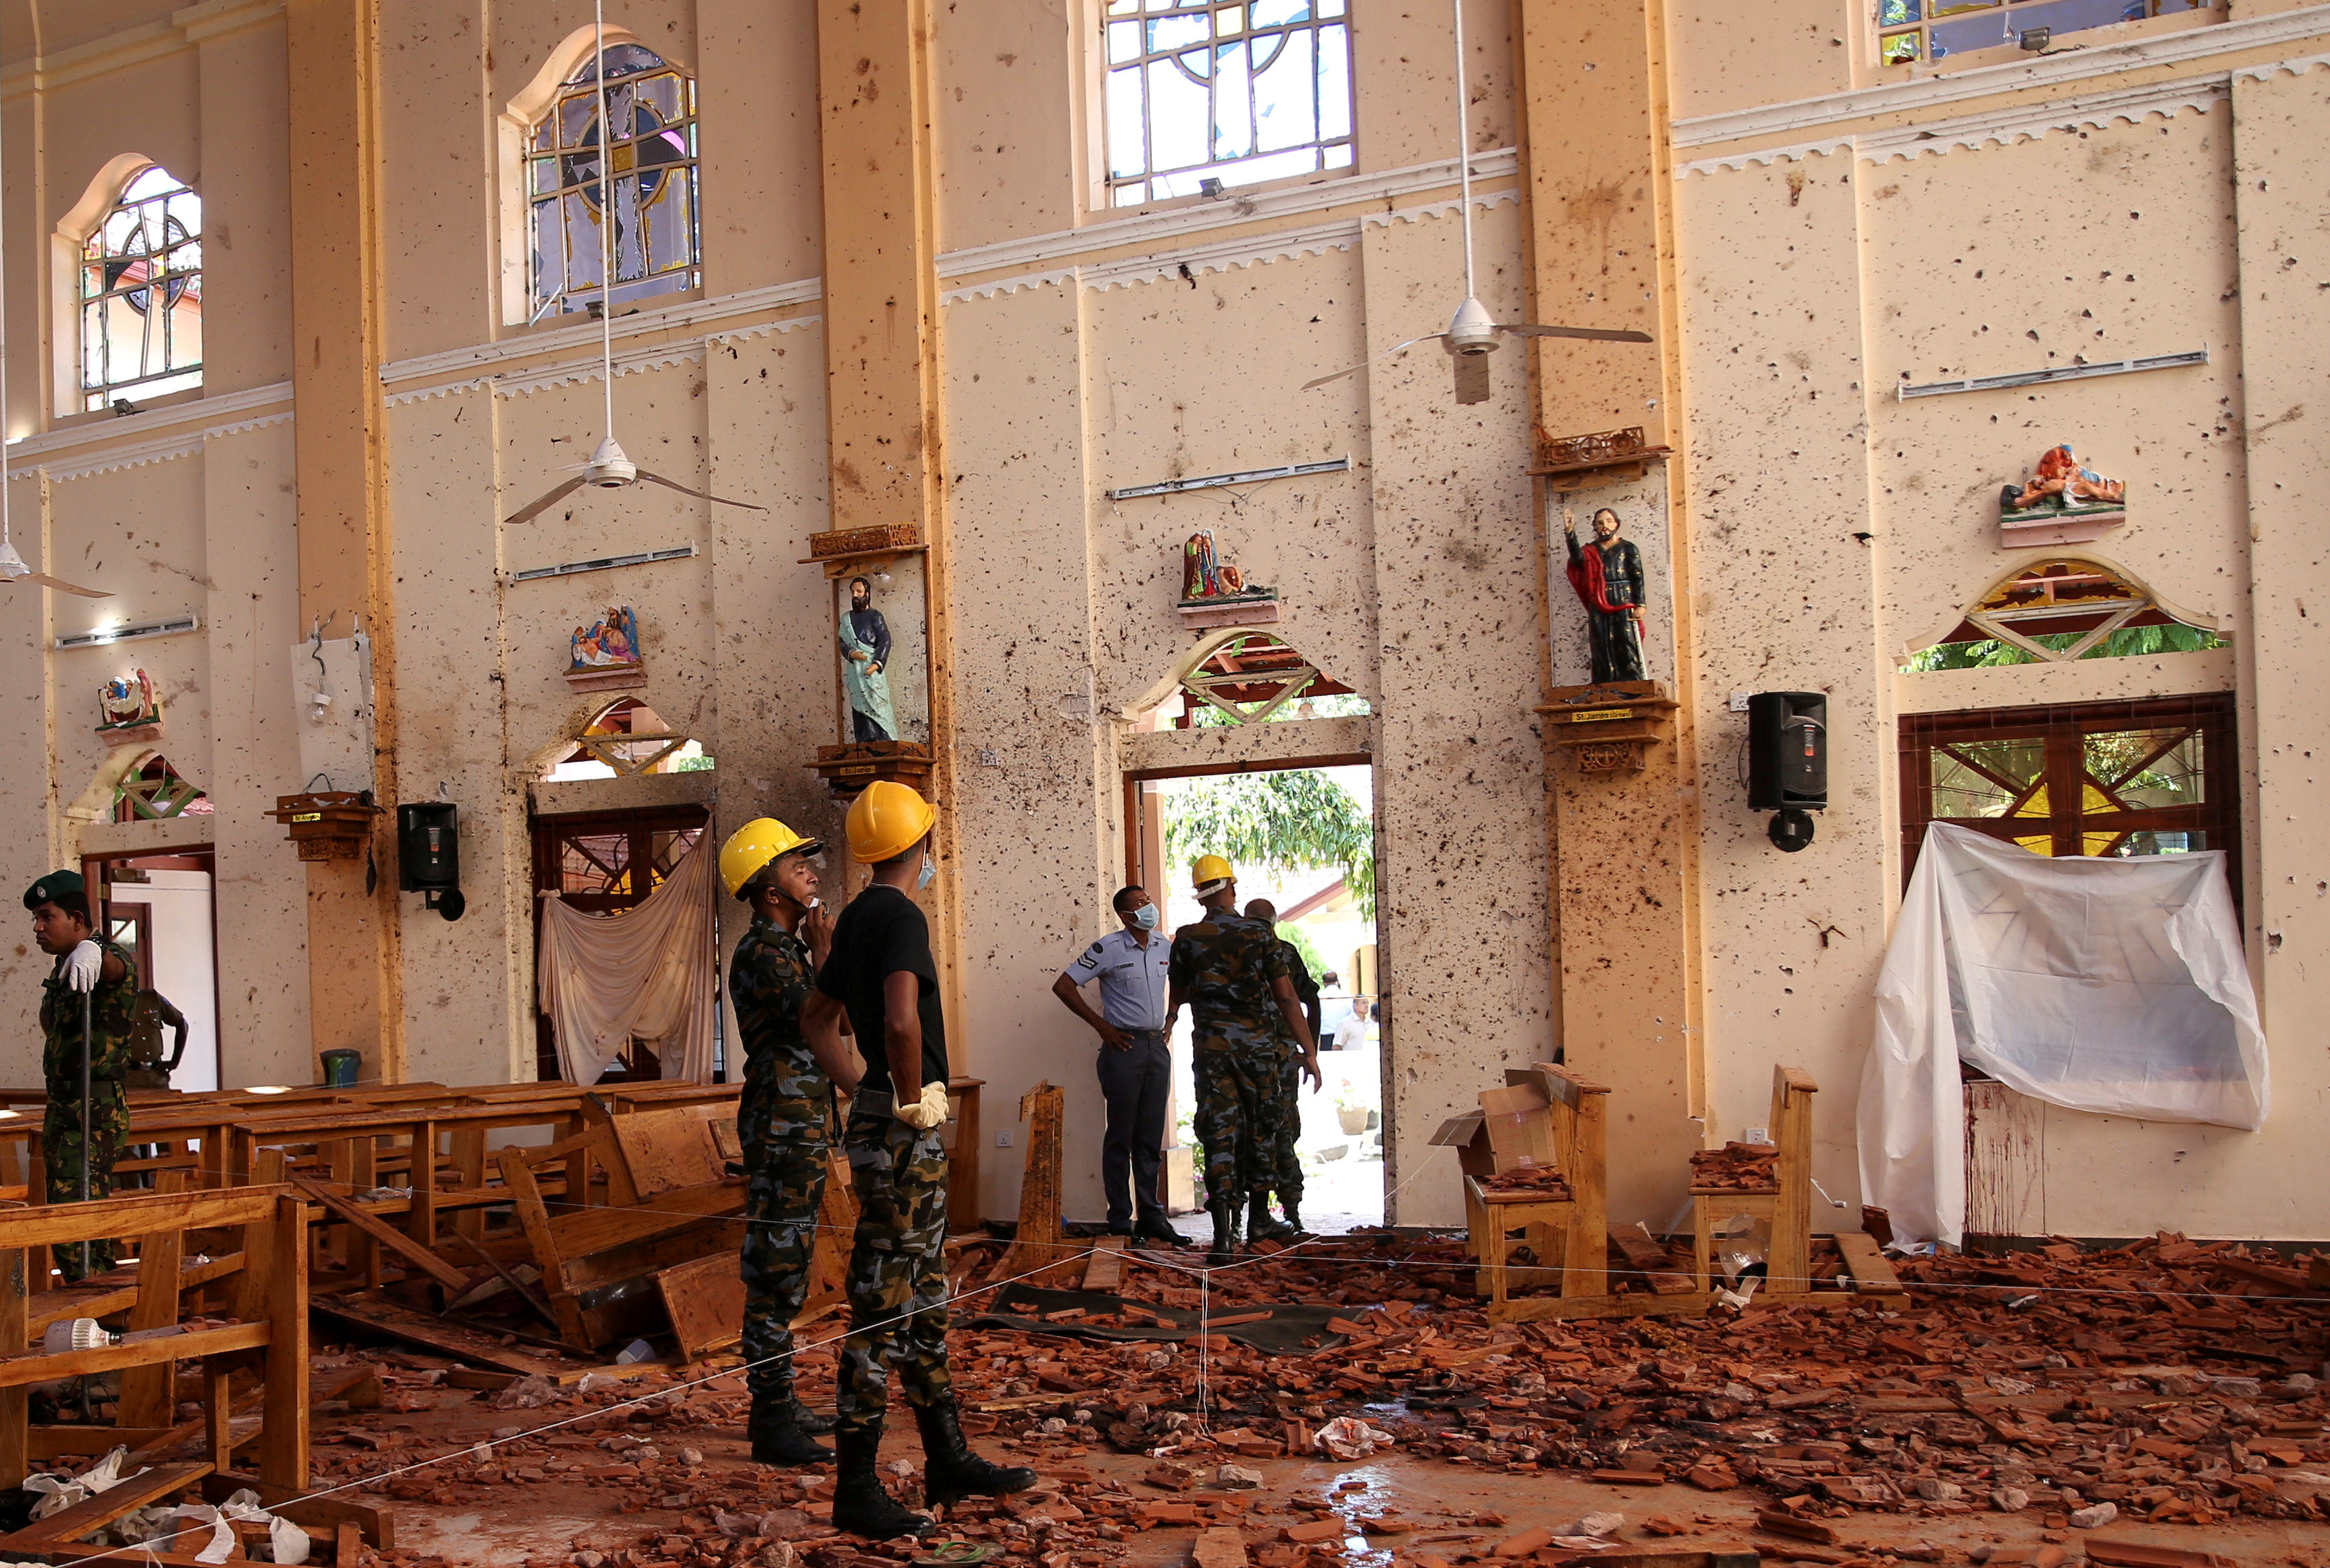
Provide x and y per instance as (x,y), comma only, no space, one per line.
(1280,1159)
(784,1188)
(1230,1120)
(897,1284)
(109,1125)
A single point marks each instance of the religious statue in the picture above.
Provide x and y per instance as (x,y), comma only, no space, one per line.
(864,663)
(1608,576)
(2062,486)
(128,702)
(1204,576)
(611,642)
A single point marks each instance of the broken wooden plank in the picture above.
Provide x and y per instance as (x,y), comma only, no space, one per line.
(1647,1258)
(1105,1272)
(417,1328)
(94,1513)
(1871,1274)
(413,1253)
(705,1300)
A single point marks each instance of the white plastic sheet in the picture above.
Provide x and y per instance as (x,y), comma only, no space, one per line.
(2096,983)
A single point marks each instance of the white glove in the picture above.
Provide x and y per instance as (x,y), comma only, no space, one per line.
(923,1114)
(82,966)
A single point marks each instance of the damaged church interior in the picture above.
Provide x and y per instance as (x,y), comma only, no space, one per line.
(729,864)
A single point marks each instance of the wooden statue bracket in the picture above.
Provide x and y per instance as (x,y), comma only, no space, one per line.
(1584,462)
(1607,726)
(846,552)
(327,824)
(846,770)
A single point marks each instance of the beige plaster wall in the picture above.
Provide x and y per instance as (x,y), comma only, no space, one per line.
(1829,525)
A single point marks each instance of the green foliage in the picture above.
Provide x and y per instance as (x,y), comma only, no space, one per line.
(1299,940)
(1297,820)
(2127,643)
(1335,705)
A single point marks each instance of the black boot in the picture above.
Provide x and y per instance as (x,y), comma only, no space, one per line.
(1294,1231)
(860,1505)
(1225,1231)
(780,1438)
(808,1420)
(1260,1226)
(1159,1232)
(950,1470)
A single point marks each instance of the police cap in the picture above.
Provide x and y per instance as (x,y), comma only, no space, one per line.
(54,885)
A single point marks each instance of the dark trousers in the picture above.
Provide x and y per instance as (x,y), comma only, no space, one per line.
(1136,1084)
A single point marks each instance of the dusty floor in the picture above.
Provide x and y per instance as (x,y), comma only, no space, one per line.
(508,1526)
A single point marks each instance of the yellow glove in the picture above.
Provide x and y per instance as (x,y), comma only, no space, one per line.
(923,1114)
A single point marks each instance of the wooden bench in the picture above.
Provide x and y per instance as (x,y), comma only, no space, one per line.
(669,1201)
(271,1340)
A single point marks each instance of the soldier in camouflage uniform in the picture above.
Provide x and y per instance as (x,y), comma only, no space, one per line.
(1228,970)
(882,975)
(1280,1072)
(784,1119)
(104,973)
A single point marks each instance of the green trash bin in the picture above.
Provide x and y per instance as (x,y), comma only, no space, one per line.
(342,1069)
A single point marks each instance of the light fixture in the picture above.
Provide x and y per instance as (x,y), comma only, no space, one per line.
(2033,40)
(269,1089)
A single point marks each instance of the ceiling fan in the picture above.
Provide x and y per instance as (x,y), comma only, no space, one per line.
(12,568)
(609,467)
(1470,335)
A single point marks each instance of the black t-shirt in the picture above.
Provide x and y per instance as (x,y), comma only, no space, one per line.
(882,933)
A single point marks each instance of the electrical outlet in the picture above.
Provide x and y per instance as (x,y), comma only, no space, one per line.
(1003,1138)
(1739,702)
(1757,1136)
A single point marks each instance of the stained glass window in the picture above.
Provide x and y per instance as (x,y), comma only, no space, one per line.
(653,185)
(1198,91)
(1948,27)
(141,294)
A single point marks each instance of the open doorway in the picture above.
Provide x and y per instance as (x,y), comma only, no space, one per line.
(159,906)
(1301,836)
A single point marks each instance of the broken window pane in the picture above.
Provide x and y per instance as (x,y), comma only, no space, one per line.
(656,241)
(141,294)
(1240,93)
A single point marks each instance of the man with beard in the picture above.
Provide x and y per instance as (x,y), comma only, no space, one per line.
(865,666)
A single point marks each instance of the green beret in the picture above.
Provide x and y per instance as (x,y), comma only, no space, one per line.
(52,887)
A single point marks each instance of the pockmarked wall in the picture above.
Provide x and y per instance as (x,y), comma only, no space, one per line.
(1890,232)
(1084,348)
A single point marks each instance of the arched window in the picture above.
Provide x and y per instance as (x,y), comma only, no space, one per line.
(626,739)
(2054,612)
(656,249)
(141,290)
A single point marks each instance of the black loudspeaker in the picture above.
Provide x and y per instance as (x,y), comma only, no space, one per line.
(428,854)
(1787,761)
(1787,751)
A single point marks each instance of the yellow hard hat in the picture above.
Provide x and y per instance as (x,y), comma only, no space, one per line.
(1210,869)
(753,848)
(886,820)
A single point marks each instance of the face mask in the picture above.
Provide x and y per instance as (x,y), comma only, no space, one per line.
(929,870)
(1146,917)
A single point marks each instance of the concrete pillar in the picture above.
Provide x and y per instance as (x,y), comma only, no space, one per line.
(355,986)
(1593,117)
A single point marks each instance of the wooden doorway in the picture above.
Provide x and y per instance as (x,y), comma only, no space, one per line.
(606,862)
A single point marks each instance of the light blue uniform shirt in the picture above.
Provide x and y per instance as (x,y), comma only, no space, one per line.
(1132,982)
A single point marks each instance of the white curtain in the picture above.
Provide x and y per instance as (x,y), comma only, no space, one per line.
(649,971)
(2093,982)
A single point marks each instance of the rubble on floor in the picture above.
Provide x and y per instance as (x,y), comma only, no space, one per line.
(2051,1394)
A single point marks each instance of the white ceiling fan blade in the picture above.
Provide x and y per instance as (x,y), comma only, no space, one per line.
(1597,334)
(528,513)
(1472,378)
(62,586)
(656,478)
(1362,365)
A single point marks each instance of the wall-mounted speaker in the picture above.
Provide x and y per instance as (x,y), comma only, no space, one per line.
(428,854)
(1787,761)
